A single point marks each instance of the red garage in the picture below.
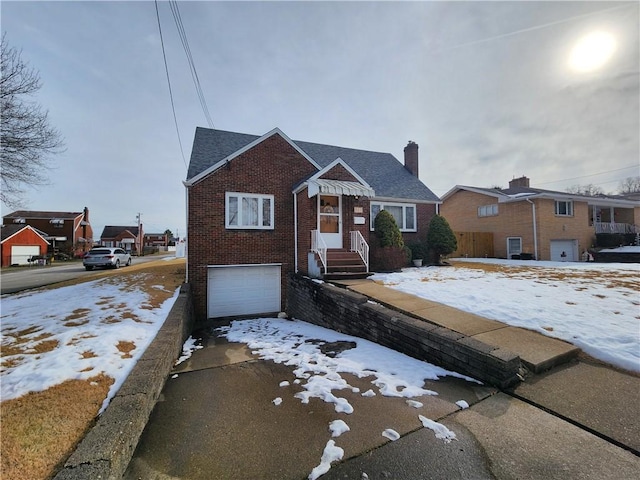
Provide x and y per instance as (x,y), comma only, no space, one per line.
(20,243)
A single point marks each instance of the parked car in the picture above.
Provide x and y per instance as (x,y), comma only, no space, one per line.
(106,257)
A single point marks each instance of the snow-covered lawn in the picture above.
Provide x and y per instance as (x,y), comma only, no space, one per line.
(595,306)
(77,332)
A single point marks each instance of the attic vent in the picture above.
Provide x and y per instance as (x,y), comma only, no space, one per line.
(19,220)
(57,221)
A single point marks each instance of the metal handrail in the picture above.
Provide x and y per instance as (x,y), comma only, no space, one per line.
(320,247)
(613,227)
(360,245)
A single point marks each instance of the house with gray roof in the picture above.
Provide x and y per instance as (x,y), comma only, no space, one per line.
(263,207)
(127,237)
(534,223)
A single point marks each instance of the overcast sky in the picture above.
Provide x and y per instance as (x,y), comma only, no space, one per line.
(487,89)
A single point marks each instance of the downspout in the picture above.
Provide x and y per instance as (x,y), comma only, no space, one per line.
(295,232)
(535,228)
(186,244)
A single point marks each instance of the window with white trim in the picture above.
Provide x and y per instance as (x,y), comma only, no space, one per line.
(488,210)
(514,246)
(564,208)
(248,211)
(403,213)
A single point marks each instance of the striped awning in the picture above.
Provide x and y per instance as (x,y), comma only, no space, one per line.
(339,187)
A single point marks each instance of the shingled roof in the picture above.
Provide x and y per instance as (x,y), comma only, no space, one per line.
(382,171)
(7,231)
(42,215)
(112,231)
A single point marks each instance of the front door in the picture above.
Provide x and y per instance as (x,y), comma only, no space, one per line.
(330,220)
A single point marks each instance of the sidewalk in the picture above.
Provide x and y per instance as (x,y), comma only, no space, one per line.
(216,419)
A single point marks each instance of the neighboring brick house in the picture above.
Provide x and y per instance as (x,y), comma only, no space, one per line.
(67,232)
(20,243)
(542,224)
(263,207)
(129,238)
(156,240)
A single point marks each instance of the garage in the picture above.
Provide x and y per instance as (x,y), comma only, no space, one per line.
(243,290)
(564,250)
(20,254)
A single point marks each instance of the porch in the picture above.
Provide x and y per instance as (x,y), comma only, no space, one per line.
(339,263)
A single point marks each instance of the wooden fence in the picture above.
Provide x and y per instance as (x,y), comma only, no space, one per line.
(474,245)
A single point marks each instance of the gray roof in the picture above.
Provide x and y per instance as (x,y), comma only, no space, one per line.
(112,231)
(520,193)
(382,171)
(7,231)
(42,215)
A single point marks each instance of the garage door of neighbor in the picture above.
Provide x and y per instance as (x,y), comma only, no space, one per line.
(564,250)
(20,254)
(243,290)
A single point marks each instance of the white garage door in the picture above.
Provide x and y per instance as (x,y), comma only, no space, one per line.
(564,250)
(21,253)
(243,290)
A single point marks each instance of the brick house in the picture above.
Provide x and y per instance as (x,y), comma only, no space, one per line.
(67,232)
(536,223)
(156,240)
(20,243)
(260,208)
(127,237)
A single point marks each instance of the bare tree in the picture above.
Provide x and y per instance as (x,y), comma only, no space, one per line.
(590,190)
(630,185)
(27,140)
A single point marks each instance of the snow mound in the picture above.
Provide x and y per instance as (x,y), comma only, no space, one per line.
(440,430)
(338,427)
(391,434)
(331,454)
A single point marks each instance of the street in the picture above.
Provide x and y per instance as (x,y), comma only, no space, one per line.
(14,279)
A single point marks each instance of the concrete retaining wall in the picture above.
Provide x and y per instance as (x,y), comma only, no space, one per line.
(348,312)
(106,450)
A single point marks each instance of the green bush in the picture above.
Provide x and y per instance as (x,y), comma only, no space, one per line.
(387,230)
(389,253)
(419,251)
(440,238)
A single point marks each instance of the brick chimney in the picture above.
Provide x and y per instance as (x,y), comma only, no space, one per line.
(519,182)
(411,157)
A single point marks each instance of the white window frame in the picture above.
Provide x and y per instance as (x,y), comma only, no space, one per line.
(260,223)
(488,210)
(509,252)
(569,208)
(404,214)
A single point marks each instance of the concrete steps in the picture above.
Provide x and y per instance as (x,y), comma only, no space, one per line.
(344,265)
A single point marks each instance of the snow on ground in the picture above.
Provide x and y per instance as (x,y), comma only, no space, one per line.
(624,249)
(299,345)
(75,332)
(594,306)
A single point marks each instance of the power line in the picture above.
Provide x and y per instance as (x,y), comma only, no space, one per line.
(591,175)
(192,66)
(533,28)
(166,68)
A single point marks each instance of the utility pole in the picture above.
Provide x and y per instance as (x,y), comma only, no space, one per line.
(139,246)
